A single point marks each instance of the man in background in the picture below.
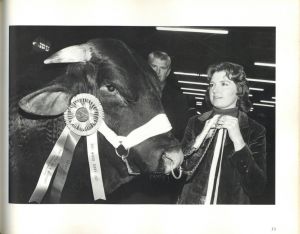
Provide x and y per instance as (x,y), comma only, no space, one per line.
(174,103)
(161,64)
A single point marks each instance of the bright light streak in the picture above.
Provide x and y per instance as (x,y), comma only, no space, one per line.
(256,89)
(259,104)
(191,93)
(200,90)
(186,73)
(195,30)
(192,82)
(265,101)
(261,80)
(189,74)
(265,64)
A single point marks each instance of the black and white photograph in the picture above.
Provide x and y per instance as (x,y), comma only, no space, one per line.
(140,117)
(176,115)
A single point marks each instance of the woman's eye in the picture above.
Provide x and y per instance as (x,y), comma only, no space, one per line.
(110,88)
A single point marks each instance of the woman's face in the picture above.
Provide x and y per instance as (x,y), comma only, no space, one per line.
(222,91)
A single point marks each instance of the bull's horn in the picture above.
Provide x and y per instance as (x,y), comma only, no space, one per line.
(71,54)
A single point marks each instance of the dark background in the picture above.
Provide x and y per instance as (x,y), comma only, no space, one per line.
(190,52)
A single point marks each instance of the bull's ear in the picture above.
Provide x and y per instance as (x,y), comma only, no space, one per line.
(49,101)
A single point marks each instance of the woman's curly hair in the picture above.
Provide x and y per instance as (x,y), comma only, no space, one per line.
(234,72)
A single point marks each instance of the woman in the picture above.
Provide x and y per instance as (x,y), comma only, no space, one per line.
(239,170)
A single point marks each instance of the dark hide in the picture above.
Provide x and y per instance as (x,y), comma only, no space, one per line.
(130,96)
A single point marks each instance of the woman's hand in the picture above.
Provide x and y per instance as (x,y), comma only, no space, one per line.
(211,123)
(232,125)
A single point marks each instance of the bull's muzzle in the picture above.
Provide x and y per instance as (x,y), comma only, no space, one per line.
(172,160)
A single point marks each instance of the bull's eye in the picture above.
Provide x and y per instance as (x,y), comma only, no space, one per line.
(111,92)
(110,88)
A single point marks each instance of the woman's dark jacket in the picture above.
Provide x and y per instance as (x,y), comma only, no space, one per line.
(243,173)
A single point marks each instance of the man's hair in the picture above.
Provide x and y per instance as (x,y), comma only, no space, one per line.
(234,72)
(159,55)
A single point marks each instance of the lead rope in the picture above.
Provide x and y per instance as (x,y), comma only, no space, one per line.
(194,150)
(190,152)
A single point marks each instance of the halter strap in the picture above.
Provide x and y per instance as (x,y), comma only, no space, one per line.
(159,124)
(62,153)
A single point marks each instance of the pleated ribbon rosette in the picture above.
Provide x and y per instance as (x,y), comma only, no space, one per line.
(83,118)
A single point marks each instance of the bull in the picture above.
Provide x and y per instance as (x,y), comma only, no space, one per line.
(129,94)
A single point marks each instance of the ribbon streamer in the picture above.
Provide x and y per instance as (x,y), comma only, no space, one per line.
(49,168)
(63,167)
(84,117)
(212,188)
(219,168)
(95,168)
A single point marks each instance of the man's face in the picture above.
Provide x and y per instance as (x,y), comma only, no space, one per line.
(161,68)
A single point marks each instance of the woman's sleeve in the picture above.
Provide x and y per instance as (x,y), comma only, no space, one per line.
(189,135)
(250,161)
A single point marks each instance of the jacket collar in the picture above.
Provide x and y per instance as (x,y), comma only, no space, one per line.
(242,116)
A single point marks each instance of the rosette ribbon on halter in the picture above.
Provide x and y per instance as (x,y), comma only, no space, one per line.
(84,118)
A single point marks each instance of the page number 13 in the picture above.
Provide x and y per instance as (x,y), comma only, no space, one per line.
(273,229)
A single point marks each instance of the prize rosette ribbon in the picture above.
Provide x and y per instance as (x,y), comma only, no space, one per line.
(83,118)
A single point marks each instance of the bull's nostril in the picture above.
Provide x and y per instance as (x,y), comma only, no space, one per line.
(172,159)
(173,168)
(166,157)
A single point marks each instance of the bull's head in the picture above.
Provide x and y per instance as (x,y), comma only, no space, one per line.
(129,94)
